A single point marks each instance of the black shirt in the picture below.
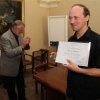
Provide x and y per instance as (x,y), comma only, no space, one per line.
(16,37)
(79,85)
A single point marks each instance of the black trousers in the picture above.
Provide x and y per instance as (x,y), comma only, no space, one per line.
(13,83)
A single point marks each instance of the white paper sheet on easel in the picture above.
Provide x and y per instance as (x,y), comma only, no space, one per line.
(75,51)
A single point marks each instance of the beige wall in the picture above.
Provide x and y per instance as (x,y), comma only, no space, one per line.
(36,24)
(36,19)
(93,5)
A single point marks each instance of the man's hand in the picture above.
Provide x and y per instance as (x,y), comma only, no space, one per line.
(26,41)
(72,66)
(53,55)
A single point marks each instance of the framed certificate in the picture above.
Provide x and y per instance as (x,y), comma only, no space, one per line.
(75,51)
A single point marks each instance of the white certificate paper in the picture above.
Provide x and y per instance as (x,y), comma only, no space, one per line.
(75,51)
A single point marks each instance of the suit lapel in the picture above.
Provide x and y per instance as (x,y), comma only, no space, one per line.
(13,39)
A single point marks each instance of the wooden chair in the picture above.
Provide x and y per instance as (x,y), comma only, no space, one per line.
(40,63)
(27,60)
(41,56)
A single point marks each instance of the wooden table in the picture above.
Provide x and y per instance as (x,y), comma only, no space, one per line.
(55,78)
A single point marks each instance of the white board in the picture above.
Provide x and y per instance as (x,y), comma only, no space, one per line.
(57,28)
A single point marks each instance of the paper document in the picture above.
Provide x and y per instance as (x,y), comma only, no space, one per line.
(75,51)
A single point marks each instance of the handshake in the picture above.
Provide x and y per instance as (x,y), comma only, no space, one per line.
(25,42)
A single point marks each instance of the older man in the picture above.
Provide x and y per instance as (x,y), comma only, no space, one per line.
(11,68)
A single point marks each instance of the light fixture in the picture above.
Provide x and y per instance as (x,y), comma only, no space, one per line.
(49,3)
(17,0)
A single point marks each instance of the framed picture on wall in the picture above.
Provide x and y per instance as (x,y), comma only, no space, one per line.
(10,10)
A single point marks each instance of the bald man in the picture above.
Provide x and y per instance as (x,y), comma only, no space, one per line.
(84,82)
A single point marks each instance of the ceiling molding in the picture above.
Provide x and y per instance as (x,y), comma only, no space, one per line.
(49,3)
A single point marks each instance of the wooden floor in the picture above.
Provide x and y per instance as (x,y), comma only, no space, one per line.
(30,88)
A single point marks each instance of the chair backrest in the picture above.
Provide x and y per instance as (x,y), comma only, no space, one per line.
(40,57)
(44,56)
(27,60)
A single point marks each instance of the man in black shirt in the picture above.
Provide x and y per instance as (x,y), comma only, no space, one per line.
(84,82)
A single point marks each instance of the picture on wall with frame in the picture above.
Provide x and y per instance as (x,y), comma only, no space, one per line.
(10,10)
